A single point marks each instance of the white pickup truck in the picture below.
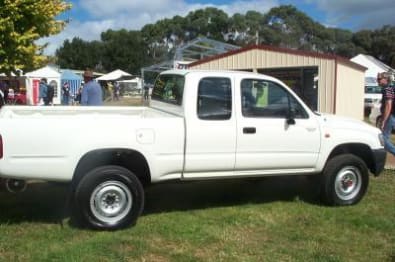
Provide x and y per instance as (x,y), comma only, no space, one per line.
(200,125)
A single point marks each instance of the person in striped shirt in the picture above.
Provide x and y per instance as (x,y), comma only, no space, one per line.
(387,110)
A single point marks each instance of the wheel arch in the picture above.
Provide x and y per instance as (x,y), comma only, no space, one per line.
(360,150)
(127,158)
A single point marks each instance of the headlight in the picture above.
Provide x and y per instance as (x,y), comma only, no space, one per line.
(381,139)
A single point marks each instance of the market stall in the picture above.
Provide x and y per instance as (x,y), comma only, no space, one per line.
(33,81)
(72,79)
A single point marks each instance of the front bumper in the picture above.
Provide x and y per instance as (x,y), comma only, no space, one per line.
(379,158)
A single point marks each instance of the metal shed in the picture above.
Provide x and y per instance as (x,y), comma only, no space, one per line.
(327,83)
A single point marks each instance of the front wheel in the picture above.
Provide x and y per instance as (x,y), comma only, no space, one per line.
(345,180)
(108,197)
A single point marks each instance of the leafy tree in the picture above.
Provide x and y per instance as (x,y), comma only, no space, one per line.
(80,54)
(363,39)
(237,28)
(383,45)
(283,26)
(21,24)
(123,49)
(153,37)
(254,21)
(286,26)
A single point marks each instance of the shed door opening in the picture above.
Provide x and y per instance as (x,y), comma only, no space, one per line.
(303,81)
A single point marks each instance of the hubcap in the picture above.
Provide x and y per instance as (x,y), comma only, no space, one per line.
(111,201)
(348,182)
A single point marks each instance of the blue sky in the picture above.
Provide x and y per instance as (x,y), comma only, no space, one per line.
(88,18)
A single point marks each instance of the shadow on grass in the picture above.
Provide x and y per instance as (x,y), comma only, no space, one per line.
(45,202)
(40,202)
(206,194)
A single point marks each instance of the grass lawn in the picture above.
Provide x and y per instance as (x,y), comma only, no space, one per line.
(271,219)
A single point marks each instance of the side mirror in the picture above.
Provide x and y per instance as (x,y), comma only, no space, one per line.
(291,121)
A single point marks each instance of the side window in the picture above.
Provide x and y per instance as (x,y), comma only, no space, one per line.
(214,99)
(260,98)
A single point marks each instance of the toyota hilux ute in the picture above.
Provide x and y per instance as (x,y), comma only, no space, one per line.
(200,125)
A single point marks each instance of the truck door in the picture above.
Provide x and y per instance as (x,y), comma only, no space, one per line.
(210,129)
(274,131)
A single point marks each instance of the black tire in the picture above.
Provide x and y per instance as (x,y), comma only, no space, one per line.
(345,180)
(108,198)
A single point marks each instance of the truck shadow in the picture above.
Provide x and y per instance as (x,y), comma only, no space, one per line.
(209,194)
(40,202)
(46,202)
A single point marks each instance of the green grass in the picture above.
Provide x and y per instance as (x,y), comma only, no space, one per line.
(271,219)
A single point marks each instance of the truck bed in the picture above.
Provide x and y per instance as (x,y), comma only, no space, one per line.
(78,111)
(47,142)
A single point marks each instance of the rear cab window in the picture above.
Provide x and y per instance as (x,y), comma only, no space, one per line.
(169,88)
(214,98)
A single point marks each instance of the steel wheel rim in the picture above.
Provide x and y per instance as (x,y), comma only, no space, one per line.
(348,182)
(111,201)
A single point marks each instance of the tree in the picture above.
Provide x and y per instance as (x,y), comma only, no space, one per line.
(21,24)
(283,26)
(383,45)
(363,39)
(123,50)
(80,54)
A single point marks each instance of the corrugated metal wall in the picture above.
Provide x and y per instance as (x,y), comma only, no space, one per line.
(350,88)
(255,59)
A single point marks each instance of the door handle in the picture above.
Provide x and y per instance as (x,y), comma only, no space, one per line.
(249,130)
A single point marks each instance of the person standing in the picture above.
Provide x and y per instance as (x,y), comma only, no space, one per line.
(42,92)
(50,95)
(4,88)
(92,94)
(146,92)
(77,97)
(65,93)
(110,89)
(2,101)
(387,110)
(117,89)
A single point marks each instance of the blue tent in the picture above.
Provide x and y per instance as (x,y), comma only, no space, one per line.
(73,79)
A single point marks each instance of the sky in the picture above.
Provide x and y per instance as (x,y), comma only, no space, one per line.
(88,18)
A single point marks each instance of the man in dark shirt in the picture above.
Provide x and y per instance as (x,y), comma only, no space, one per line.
(387,110)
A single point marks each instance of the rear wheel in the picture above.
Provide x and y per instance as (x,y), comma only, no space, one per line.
(345,180)
(108,197)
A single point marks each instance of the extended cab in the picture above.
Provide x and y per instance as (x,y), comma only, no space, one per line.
(200,125)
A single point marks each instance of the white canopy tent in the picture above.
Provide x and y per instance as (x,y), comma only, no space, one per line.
(114,75)
(33,81)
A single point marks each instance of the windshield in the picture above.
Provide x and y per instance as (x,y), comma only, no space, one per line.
(169,89)
(373,89)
